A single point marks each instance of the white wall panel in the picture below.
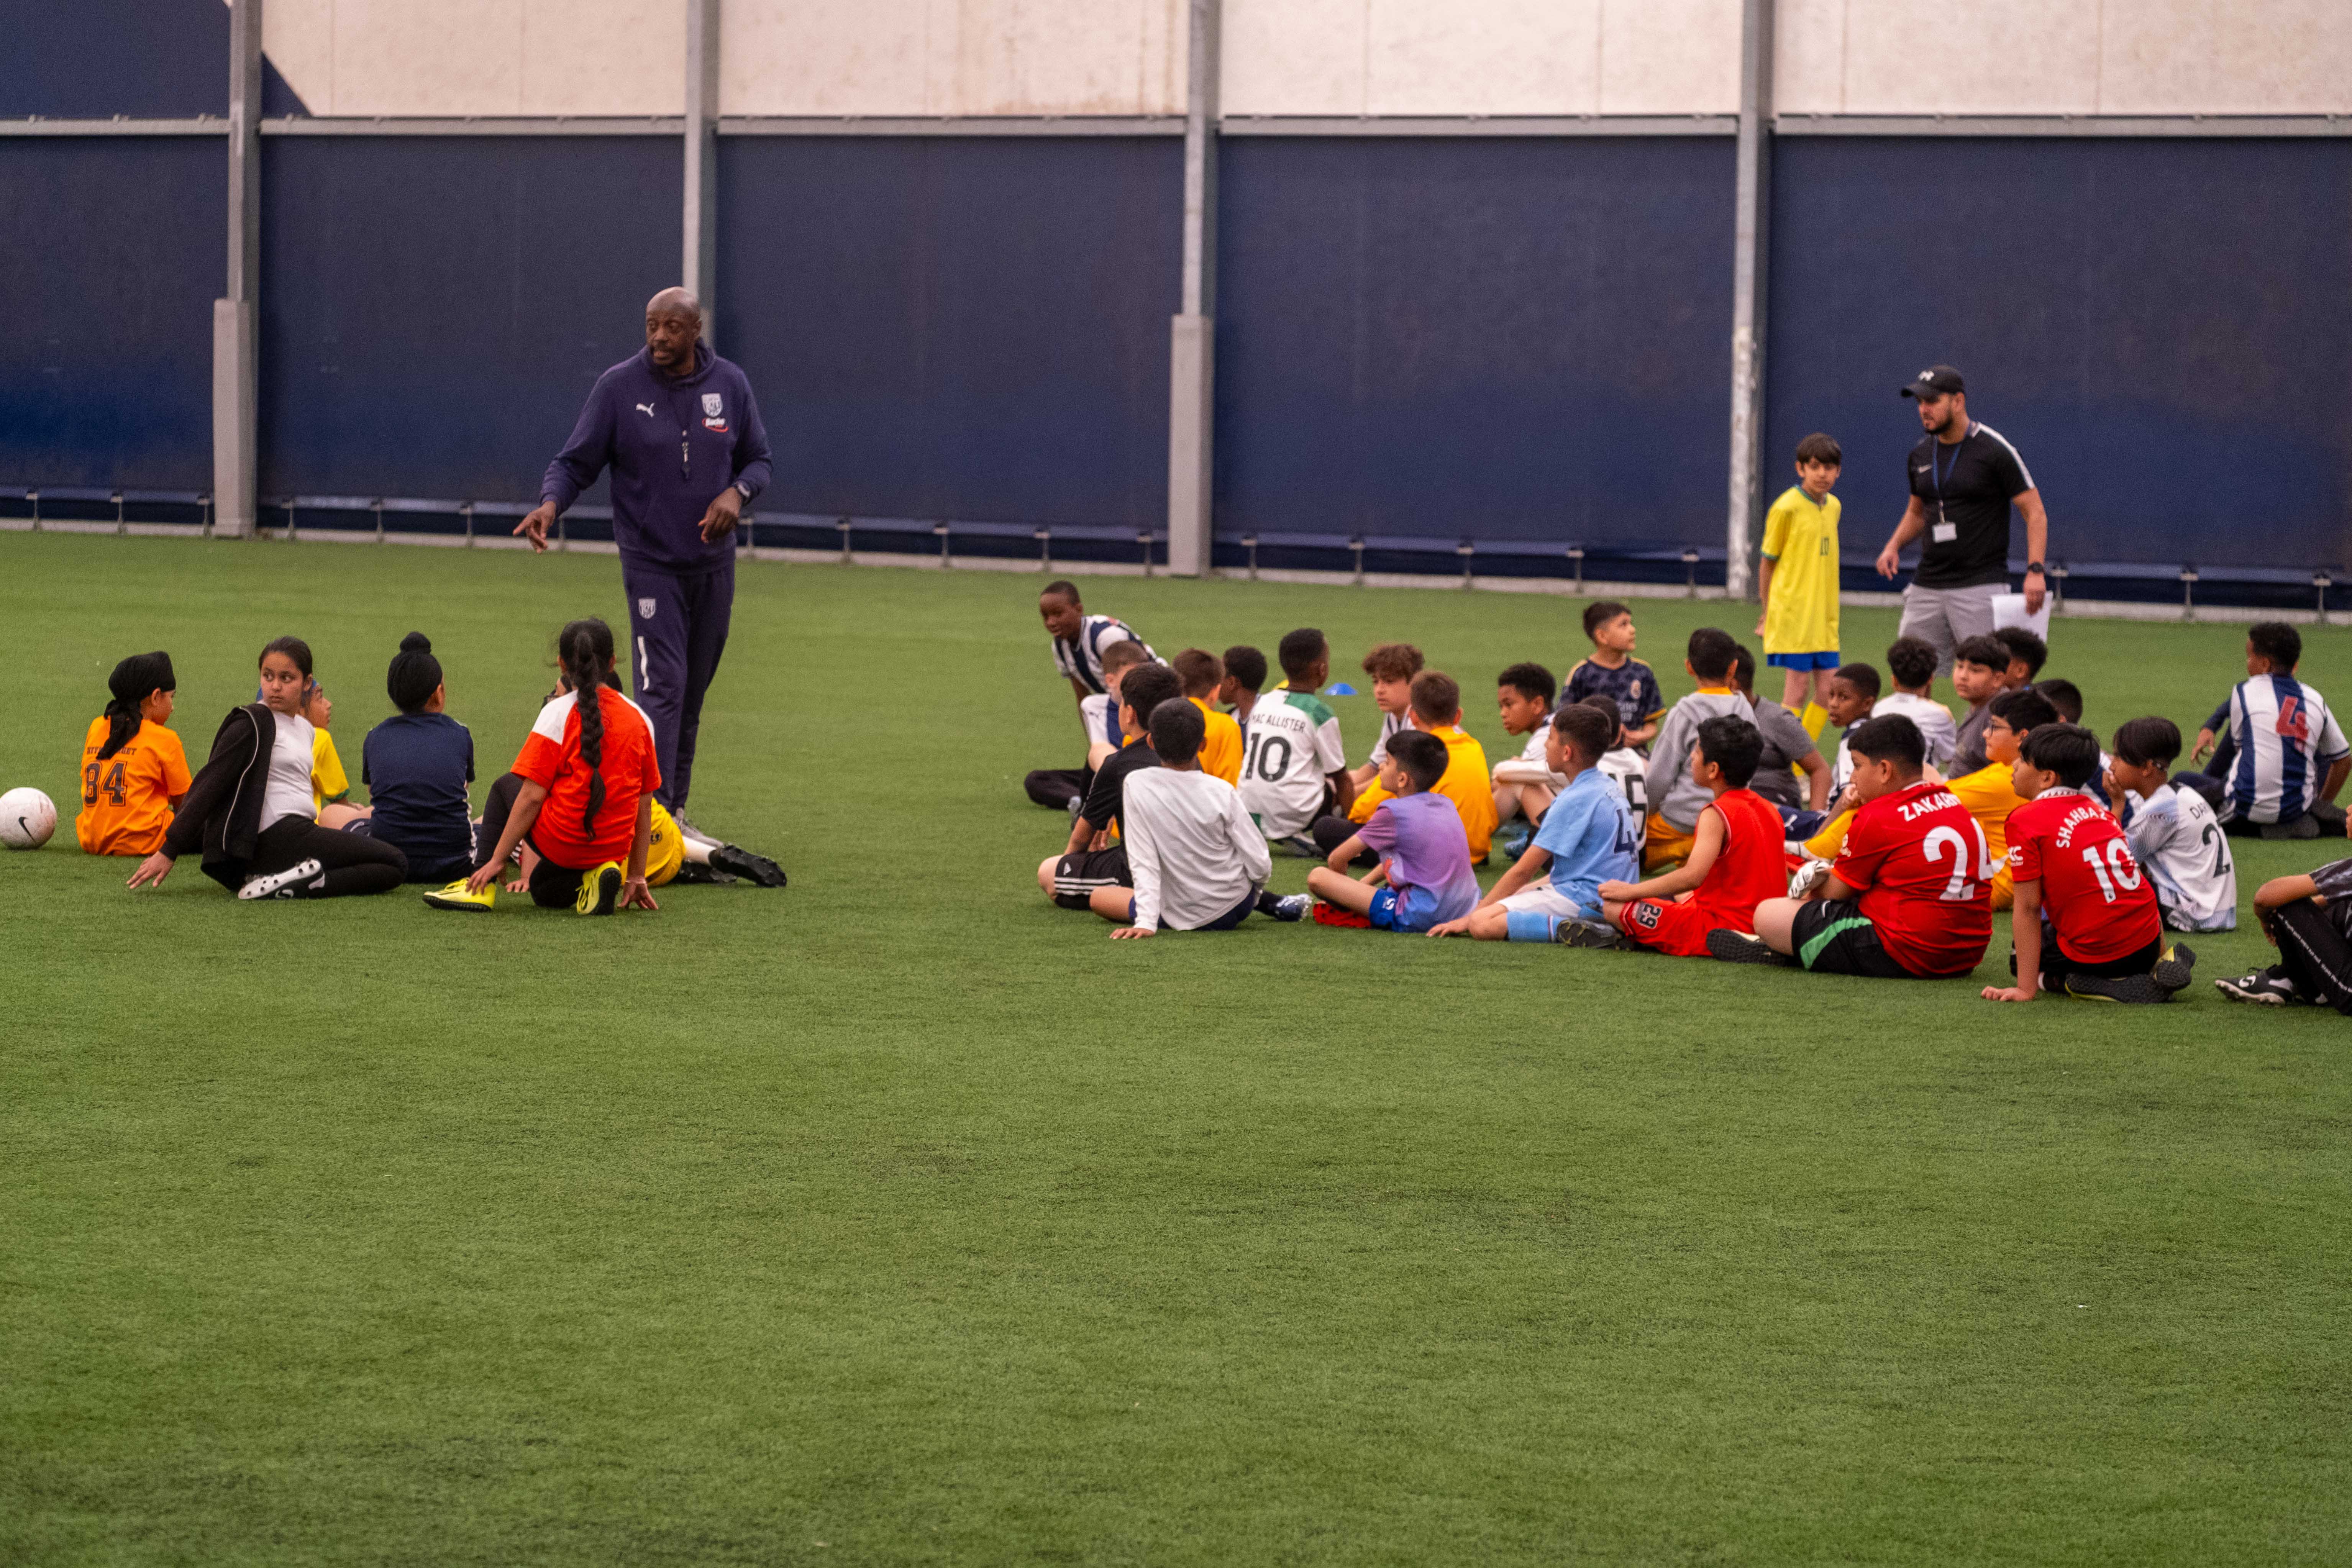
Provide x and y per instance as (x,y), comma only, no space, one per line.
(1670,57)
(1318,57)
(952,56)
(2065,57)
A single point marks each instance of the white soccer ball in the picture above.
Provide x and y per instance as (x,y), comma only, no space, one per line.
(27,817)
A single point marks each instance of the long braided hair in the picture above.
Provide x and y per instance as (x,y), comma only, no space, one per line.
(585,648)
(134,680)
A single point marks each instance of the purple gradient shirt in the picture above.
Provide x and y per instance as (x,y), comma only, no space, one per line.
(1422,837)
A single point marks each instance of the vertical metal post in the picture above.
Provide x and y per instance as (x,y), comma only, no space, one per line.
(1750,245)
(698,262)
(1192,357)
(234,446)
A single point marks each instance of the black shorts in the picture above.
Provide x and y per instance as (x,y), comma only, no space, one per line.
(434,870)
(1078,875)
(2056,966)
(1833,937)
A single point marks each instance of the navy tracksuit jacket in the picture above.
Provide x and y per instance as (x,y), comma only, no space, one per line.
(673,444)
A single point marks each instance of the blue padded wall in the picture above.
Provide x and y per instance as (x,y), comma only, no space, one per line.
(1484,337)
(120,249)
(2162,327)
(963,328)
(434,308)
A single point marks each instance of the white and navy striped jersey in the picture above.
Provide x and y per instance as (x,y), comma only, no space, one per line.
(2181,847)
(2287,739)
(1080,657)
(1392,723)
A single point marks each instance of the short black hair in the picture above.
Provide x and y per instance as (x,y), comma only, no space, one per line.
(2148,743)
(1911,660)
(1889,738)
(1600,613)
(1743,667)
(1061,587)
(1820,448)
(1177,731)
(1421,756)
(1247,665)
(1298,650)
(1732,745)
(2024,708)
(2067,749)
(1711,652)
(1587,728)
(2064,696)
(1988,652)
(1146,686)
(2024,648)
(1530,679)
(1863,678)
(2278,642)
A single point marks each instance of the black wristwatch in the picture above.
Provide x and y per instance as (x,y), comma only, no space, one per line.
(2033,567)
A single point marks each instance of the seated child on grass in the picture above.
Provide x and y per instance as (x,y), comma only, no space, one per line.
(585,801)
(1435,707)
(1244,679)
(1614,672)
(134,772)
(1676,801)
(1090,860)
(1196,860)
(1424,876)
(2172,830)
(1911,667)
(1736,859)
(1392,665)
(2309,920)
(1908,897)
(1979,674)
(417,766)
(1523,699)
(1990,793)
(1852,693)
(2086,921)
(1623,765)
(1203,674)
(2284,758)
(1098,716)
(1789,749)
(1588,836)
(1293,765)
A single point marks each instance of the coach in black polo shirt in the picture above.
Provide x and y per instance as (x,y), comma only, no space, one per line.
(1964,479)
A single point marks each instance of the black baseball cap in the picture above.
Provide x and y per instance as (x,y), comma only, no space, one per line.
(1936,381)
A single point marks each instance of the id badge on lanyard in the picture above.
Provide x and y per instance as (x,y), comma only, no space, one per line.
(1945,530)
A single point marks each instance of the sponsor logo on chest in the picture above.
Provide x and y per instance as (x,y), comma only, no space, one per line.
(714,413)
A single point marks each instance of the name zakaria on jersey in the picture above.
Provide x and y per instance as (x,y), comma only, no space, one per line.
(1925,874)
(2100,904)
(1291,744)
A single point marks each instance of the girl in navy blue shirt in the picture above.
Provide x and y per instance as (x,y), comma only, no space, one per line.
(417,765)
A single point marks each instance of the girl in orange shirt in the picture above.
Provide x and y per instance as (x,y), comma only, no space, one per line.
(133,773)
(585,801)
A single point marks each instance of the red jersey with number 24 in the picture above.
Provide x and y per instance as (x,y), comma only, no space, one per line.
(2098,902)
(1925,874)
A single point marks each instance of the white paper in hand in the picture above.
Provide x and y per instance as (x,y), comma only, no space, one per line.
(2009,610)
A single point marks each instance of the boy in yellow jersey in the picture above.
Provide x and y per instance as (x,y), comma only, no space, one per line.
(1991,792)
(1435,707)
(1798,581)
(1203,673)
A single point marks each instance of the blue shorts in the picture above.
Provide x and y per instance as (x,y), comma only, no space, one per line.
(1391,910)
(1828,660)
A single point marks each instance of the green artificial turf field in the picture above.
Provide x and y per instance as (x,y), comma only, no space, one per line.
(899,1217)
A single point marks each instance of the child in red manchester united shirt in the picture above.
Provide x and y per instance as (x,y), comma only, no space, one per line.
(2085,919)
(1910,894)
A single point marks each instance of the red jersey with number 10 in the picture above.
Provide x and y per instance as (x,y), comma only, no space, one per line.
(2098,902)
(1920,862)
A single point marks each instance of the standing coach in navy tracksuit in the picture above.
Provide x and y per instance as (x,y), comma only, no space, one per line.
(682,435)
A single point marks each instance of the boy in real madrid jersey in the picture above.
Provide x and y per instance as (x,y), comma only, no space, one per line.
(1293,766)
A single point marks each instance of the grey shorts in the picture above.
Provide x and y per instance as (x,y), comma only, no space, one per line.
(1944,619)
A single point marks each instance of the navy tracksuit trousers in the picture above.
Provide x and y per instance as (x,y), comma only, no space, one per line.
(678,630)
